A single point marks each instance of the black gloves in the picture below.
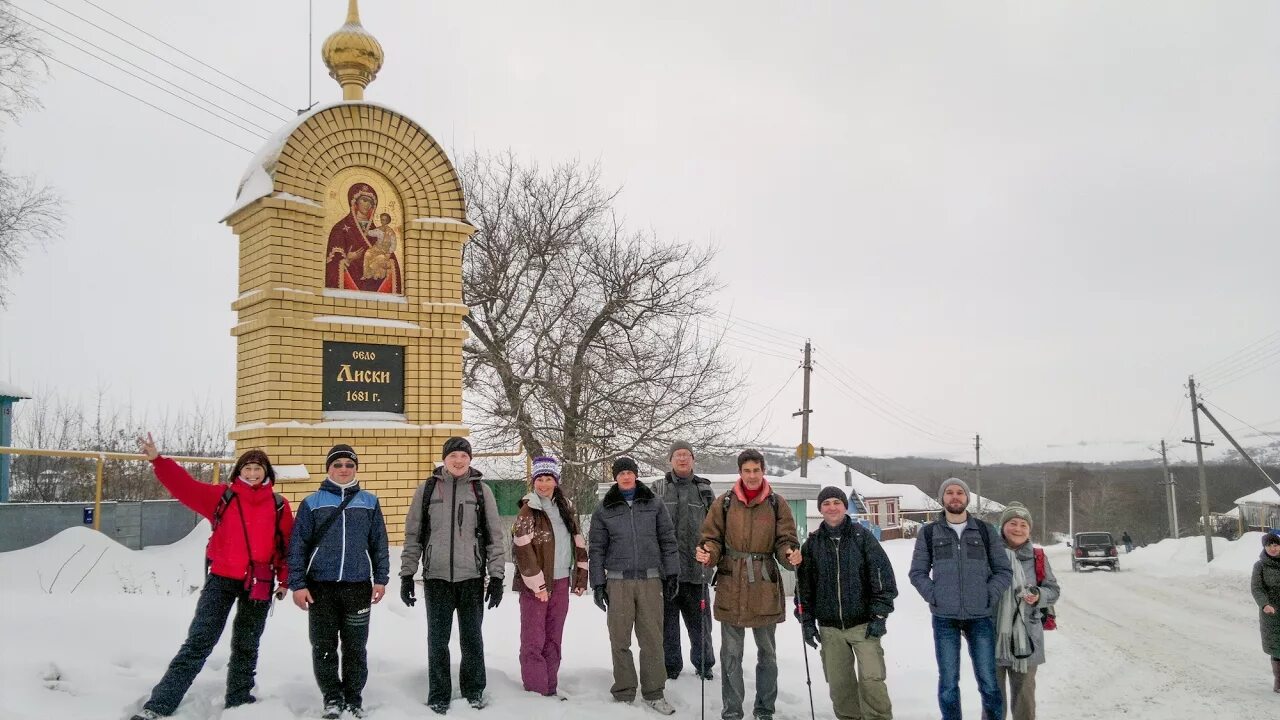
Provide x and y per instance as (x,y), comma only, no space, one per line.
(406,590)
(671,588)
(493,593)
(877,628)
(601,597)
(810,630)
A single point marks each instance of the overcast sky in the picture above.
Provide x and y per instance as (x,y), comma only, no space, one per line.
(1030,220)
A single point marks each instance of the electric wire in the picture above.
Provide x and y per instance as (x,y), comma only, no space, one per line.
(1244,423)
(169,62)
(1216,366)
(201,108)
(769,402)
(854,394)
(148,104)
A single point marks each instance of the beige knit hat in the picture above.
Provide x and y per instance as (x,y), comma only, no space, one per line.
(1014,510)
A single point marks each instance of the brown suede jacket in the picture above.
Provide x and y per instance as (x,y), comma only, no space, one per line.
(533,543)
(749,589)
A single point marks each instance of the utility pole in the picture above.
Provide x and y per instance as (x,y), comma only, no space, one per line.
(1204,483)
(1173,495)
(1071,508)
(977,468)
(1044,507)
(1238,448)
(1168,492)
(805,411)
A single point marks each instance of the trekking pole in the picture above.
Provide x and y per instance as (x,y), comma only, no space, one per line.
(702,671)
(807,679)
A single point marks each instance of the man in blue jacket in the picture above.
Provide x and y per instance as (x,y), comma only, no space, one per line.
(844,594)
(960,568)
(338,568)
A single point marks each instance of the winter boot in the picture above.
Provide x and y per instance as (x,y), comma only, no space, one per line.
(478,702)
(660,706)
(1275,671)
(332,711)
(439,708)
(146,714)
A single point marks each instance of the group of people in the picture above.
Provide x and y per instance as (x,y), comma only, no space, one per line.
(650,559)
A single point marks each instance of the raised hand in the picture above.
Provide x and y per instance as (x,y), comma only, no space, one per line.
(147,446)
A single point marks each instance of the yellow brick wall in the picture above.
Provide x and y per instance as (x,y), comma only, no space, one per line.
(278,341)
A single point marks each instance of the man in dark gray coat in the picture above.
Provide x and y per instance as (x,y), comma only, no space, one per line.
(458,542)
(960,568)
(687,497)
(633,561)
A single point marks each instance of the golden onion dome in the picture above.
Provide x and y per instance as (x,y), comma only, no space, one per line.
(352,55)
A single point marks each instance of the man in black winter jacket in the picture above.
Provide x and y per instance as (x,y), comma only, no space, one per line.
(844,594)
(687,497)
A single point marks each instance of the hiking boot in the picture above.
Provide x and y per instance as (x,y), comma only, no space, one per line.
(439,708)
(706,674)
(660,706)
(356,711)
(332,711)
(145,714)
(237,702)
(673,674)
(478,702)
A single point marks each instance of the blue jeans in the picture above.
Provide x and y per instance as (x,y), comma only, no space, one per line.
(980,633)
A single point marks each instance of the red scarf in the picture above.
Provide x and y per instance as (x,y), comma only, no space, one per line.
(750,494)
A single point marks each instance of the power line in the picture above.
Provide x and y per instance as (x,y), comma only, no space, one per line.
(1214,367)
(873,406)
(1228,412)
(776,330)
(139,77)
(769,402)
(169,62)
(144,102)
(917,416)
(1262,364)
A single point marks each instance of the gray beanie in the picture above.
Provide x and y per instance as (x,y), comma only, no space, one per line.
(679,445)
(1014,510)
(954,481)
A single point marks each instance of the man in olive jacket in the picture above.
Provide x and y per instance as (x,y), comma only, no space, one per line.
(747,533)
(844,594)
(687,497)
(458,543)
(633,561)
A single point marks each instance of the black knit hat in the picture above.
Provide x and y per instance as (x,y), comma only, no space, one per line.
(1271,537)
(623,464)
(254,456)
(454,444)
(831,491)
(340,451)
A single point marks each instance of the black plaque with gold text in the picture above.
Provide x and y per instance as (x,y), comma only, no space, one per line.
(362,377)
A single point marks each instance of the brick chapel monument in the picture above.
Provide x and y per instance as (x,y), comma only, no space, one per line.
(351,226)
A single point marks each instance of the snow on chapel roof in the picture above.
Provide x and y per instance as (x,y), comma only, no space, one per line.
(13,391)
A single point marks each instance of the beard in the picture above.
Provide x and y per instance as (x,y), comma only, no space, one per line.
(955,507)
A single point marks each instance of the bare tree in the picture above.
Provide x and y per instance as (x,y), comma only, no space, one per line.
(585,335)
(29,212)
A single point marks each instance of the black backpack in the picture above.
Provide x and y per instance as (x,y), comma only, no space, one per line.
(482,520)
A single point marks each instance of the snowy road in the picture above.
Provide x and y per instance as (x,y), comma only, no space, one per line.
(1165,639)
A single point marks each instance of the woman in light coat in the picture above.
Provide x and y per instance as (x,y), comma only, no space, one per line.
(1020,616)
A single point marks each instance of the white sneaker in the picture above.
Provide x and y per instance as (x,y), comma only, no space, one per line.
(661,706)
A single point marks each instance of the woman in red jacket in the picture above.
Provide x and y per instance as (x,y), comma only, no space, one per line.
(246,554)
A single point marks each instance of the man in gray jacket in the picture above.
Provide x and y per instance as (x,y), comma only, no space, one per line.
(633,561)
(687,497)
(458,541)
(960,568)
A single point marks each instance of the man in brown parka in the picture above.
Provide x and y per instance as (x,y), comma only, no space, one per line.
(749,534)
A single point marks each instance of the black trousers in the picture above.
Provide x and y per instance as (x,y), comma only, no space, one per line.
(212,609)
(444,598)
(340,612)
(686,604)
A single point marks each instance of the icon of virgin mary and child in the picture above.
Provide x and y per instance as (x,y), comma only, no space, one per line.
(361,253)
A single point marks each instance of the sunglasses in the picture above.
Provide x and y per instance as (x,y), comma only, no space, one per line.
(343,465)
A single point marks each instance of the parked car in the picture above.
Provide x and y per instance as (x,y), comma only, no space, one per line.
(1094,549)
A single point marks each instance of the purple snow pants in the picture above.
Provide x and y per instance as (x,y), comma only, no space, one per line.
(541,629)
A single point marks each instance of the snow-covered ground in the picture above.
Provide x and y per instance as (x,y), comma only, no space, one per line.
(89,627)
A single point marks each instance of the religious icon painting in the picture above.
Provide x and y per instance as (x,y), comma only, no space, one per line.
(366,227)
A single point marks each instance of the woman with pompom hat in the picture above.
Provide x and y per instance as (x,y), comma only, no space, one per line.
(1019,616)
(1265,585)
(551,562)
